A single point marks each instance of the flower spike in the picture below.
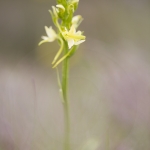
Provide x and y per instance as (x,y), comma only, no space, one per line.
(62,17)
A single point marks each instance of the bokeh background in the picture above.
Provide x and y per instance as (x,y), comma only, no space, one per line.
(109,77)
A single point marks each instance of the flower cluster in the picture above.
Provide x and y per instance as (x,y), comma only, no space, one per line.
(66,23)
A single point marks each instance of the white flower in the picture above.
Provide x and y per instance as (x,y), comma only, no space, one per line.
(51,35)
(73,37)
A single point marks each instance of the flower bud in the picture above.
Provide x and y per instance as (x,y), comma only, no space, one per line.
(76,20)
(74,3)
(61,8)
(55,11)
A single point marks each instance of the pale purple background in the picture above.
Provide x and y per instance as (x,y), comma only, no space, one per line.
(109,77)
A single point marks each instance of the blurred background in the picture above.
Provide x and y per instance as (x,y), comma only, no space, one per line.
(109,85)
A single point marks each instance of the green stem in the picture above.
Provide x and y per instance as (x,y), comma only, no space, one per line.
(65,72)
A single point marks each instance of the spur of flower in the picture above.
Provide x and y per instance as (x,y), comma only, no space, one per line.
(72,37)
(51,35)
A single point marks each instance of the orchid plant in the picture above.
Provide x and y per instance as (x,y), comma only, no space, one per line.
(69,39)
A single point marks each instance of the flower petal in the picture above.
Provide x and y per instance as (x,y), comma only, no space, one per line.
(75,19)
(50,32)
(47,31)
(44,37)
(79,33)
(70,43)
(79,42)
(72,30)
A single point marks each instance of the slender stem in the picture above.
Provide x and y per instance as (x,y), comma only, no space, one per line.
(65,72)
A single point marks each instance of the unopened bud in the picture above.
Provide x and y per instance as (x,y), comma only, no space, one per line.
(55,11)
(60,7)
(75,3)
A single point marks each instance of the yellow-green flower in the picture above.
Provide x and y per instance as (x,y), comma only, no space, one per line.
(72,37)
(51,35)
